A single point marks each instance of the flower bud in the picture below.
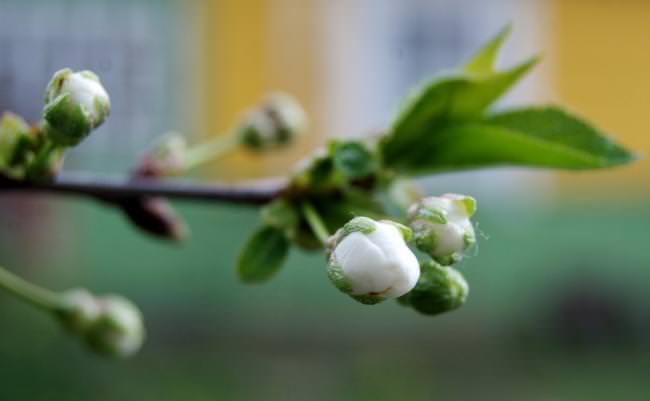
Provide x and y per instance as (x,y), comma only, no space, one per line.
(156,217)
(79,311)
(17,144)
(442,227)
(439,289)
(276,122)
(118,329)
(370,261)
(167,157)
(75,104)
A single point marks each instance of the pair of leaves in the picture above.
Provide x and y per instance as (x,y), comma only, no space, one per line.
(445,126)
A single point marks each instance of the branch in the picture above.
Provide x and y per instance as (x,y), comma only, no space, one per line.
(115,189)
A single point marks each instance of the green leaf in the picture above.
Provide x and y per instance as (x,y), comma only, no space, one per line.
(483,61)
(534,137)
(444,100)
(263,255)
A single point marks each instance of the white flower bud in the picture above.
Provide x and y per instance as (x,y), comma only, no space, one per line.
(276,122)
(370,261)
(75,104)
(118,329)
(79,311)
(167,157)
(442,227)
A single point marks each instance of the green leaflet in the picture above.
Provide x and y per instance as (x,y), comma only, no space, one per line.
(483,61)
(456,98)
(262,255)
(533,137)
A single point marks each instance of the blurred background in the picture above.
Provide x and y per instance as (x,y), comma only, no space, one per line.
(558,308)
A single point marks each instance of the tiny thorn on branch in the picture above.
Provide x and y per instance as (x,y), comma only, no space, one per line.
(112,189)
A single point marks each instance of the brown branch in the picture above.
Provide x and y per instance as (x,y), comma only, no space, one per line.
(114,189)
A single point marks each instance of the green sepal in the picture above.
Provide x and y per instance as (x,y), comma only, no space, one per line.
(56,82)
(360,224)
(438,215)
(263,255)
(470,205)
(66,123)
(425,239)
(336,276)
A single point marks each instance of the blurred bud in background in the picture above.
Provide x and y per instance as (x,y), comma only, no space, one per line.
(277,121)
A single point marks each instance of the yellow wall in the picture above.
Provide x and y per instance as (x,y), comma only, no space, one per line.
(600,52)
(250,47)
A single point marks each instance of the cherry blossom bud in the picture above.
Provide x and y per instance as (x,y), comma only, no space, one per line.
(276,122)
(167,157)
(79,311)
(75,104)
(118,329)
(442,227)
(370,261)
(440,289)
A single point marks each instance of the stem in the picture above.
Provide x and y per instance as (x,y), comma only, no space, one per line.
(211,149)
(28,292)
(115,188)
(315,223)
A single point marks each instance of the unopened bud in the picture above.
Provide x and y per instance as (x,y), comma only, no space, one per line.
(442,227)
(156,217)
(370,261)
(79,311)
(75,104)
(17,143)
(275,122)
(440,289)
(118,329)
(167,157)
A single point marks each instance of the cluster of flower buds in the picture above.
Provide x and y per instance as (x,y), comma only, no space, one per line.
(277,121)
(371,261)
(110,325)
(75,104)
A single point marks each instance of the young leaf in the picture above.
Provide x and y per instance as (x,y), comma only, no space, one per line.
(263,255)
(535,137)
(483,61)
(449,99)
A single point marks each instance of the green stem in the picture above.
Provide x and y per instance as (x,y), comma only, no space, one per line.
(211,149)
(315,223)
(28,292)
